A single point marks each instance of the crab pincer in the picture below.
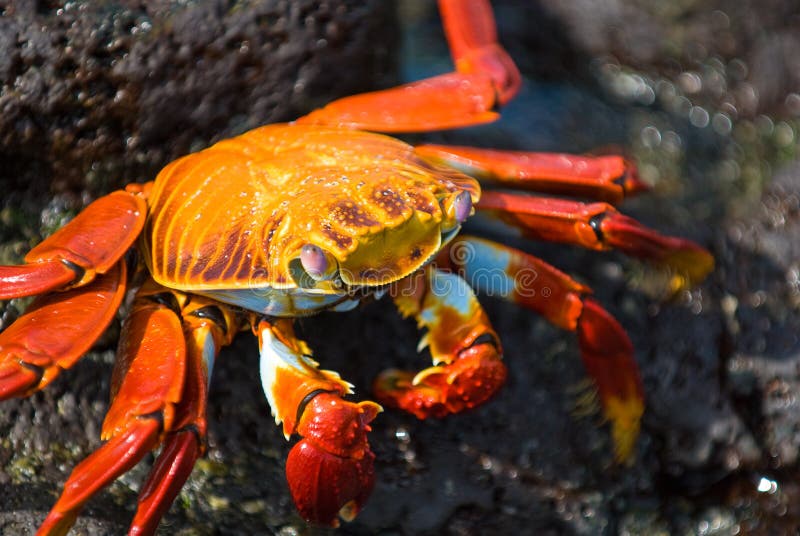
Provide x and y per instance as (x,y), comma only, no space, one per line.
(468,367)
(330,471)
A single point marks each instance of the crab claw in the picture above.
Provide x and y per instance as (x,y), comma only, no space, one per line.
(325,486)
(330,471)
(470,380)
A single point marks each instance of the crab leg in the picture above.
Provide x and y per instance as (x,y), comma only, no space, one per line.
(598,226)
(466,352)
(148,379)
(158,393)
(606,350)
(485,77)
(207,327)
(90,244)
(606,178)
(329,471)
(55,331)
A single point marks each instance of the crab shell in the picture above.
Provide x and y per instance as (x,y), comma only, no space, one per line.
(237,220)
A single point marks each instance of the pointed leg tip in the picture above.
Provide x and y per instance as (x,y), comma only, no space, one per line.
(167,476)
(369,410)
(624,444)
(56,524)
(34,278)
(17,380)
(692,264)
(390,381)
(99,469)
(633,185)
(398,389)
(625,416)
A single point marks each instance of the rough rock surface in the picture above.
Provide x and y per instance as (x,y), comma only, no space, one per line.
(719,446)
(97,94)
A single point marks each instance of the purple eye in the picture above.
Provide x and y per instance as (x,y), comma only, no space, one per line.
(462,206)
(314,261)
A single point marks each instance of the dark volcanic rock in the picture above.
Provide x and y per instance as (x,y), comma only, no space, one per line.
(96,94)
(756,41)
(763,318)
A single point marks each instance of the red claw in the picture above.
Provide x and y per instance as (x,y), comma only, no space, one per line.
(330,472)
(325,486)
(470,380)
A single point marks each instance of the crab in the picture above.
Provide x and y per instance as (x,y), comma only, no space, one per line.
(288,220)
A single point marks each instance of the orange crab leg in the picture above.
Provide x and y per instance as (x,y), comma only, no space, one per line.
(606,350)
(207,328)
(55,331)
(158,393)
(174,465)
(90,244)
(598,226)
(485,77)
(465,349)
(148,379)
(114,458)
(32,279)
(472,36)
(606,178)
(330,471)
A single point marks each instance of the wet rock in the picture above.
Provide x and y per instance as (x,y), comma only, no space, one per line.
(740,53)
(97,94)
(765,362)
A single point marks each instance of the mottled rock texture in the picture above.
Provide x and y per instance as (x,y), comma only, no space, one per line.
(103,93)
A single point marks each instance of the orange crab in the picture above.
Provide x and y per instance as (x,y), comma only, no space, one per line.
(288,220)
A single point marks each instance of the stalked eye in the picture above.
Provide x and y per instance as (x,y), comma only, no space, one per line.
(312,265)
(314,261)
(457,209)
(462,207)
